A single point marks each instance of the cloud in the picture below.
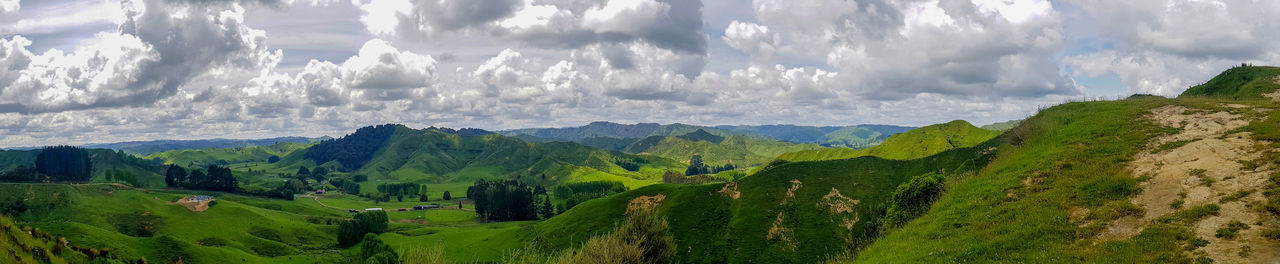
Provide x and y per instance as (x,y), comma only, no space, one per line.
(378,67)
(889,50)
(9,6)
(752,38)
(669,24)
(159,48)
(1163,47)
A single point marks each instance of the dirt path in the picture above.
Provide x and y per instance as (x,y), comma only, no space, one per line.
(1203,164)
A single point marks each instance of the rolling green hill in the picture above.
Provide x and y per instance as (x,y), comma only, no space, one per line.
(440,155)
(1002,126)
(223,156)
(800,212)
(609,136)
(1245,82)
(143,172)
(739,150)
(915,143)
(136,223)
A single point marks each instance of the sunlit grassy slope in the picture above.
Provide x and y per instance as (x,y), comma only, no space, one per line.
(915,143)
(711,225)
(1016,209)
(739,150)
(1249,82)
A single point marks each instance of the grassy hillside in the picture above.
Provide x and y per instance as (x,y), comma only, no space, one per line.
(440,155)
(1246,82)
(858,137)
(799,212)
(916,143)
(137,223)
(145,148)
(739,150)
(204,157)
(1068,157)
(144,172)
(1002,126)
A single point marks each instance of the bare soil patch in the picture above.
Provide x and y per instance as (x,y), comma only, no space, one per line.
(645,203)
(1202,172)
(194,206)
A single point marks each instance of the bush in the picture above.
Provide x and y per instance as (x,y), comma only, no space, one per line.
(372,250)
(136,224)
(213,242)
(913,198)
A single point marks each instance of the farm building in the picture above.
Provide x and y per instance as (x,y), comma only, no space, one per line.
(201,198)
(372,209)
(425,207)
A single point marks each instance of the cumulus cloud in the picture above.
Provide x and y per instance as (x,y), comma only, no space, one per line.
(752,38)
(1163,47)
(890,50)
(9,6)
(160,46)
(668,24)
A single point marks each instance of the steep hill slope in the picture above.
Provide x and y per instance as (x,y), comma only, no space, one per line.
(800,212)
(739,150)
(105,162)
(915,143)
(860,136)
(204,157)
(399,153)
(1111,182)
(1245,82)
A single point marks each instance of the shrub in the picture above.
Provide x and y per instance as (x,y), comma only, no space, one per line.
(913,198)
(213,242)
(136,224)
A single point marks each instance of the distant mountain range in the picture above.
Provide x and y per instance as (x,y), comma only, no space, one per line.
(606,134)
(144,148)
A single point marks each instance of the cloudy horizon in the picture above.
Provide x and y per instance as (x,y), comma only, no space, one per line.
(76,72)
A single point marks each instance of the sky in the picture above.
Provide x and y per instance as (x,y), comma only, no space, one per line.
(76,72)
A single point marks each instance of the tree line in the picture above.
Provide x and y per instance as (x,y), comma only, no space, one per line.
(575,193)
(503,200)
(213,178)
(352,231)
(696,167)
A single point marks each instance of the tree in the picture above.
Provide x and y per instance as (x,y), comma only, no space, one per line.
(448,197)
(64,163)
(302,170)
(273,159)
(546,211)
(422,198)
(174,176)
(400,198)
(502,200)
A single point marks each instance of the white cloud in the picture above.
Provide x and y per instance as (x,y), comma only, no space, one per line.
(1164,47)
(754,39)
(9,6)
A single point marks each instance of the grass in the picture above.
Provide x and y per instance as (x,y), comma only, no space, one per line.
(463,242)
(1239,83)
(913,144)
(1171,145)
(710,226)
(1079,151)
(1231,230)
